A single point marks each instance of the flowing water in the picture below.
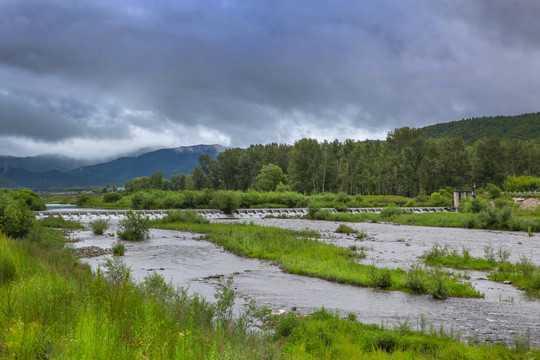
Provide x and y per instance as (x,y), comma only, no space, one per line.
(502,315)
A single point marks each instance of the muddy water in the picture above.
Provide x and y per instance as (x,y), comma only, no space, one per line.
(504,312)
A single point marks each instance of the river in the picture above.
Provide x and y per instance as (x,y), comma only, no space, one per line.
(501,315)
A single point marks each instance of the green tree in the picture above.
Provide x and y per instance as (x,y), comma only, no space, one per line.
(304,167)
(199,179)
(269,178)
(178,182)
(488,162)
(407,146)
(157,180)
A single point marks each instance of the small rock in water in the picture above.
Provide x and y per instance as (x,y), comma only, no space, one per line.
(507,282)
(279,312)
(236,273)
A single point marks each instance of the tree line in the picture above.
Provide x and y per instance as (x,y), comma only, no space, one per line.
(407,163)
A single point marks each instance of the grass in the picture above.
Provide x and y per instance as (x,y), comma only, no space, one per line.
(296,253)
(53,307)
(60,223)
(523,274)
(324,335)
(488,220)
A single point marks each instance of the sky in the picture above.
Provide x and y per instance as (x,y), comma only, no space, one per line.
(99,78)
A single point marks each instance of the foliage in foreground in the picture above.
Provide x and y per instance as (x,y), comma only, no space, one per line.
(108,316)
(52,307)
(297,253)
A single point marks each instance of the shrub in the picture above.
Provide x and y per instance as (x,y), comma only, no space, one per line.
(99,226)
(390,211)
(380,278)
(119,250)
(344,229)
(415,279)
(30,198)
(16,219)
(117,270)
(82,199)
(135,227)
(111,197)
(437,285)
(343,197)
(493,191)
(226,201)
(154,285)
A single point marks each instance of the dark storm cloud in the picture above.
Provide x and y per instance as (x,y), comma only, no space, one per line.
(257,71)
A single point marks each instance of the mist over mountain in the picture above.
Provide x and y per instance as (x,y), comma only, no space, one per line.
(57,171)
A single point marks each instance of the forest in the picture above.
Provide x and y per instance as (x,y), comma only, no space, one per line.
(407,163)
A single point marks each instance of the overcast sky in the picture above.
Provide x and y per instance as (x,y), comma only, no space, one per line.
(92,78)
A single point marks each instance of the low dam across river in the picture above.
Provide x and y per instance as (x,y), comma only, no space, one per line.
(214,213)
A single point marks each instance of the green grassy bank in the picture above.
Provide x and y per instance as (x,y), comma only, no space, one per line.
(53,307)
(523,274)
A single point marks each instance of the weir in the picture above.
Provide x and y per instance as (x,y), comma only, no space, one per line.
(88,214)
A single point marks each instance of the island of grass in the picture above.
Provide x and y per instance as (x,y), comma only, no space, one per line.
(297,252)
(523,274)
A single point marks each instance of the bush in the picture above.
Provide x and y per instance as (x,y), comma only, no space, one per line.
(30,198)
(437,286)
(380,278)
(117,270)
(226,201)
(119,250)
(111,197)
(390,211)
(415,279)
(154,285)
(134,227)
(16,219)
(344,229)
(82,199)
(493,191)
(99,226)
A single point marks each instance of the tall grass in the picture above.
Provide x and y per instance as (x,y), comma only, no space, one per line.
(297,254)
(53,307)
(523,274)
(60,223)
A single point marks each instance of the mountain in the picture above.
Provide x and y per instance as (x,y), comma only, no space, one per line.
(41,180)
(32,173)
(41,163)
(174,161)
(522,127)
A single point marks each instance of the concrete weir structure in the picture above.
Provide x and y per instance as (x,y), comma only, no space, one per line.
(214,213)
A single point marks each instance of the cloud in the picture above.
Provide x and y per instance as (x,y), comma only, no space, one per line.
(137,73)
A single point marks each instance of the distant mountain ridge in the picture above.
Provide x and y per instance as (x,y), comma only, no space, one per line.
(522,127)
(32,173)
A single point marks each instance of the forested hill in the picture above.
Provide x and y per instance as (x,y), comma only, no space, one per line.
(523,127)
